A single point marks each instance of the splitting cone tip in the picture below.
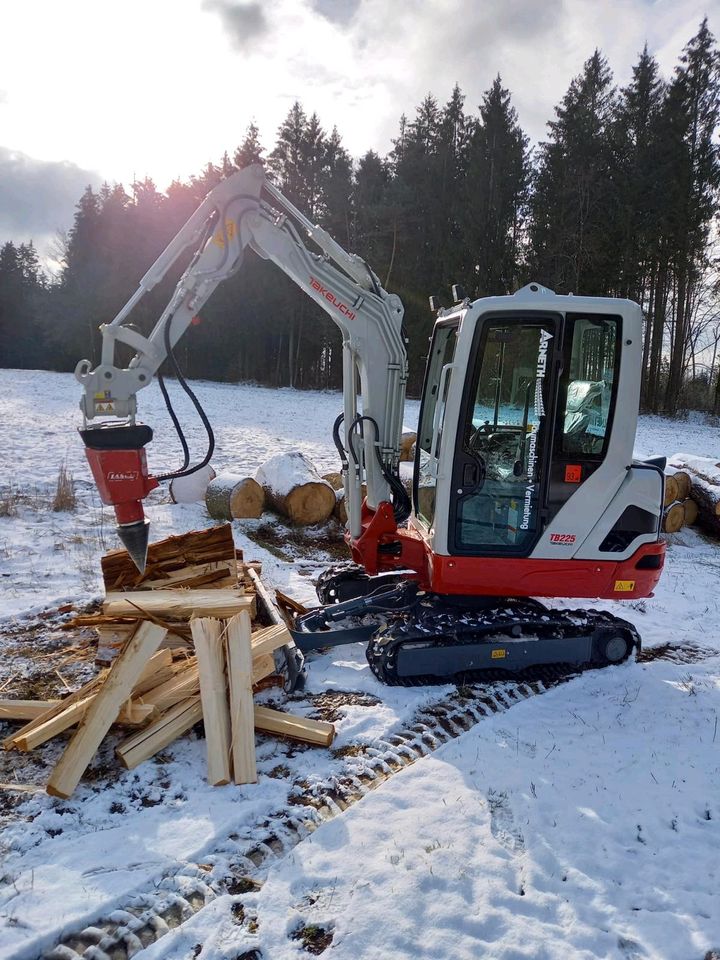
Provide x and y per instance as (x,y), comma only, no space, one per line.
(135,537)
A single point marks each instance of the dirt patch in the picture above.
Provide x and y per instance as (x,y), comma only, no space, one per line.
(328,706)
(676,653)
(323,541)
(314,939)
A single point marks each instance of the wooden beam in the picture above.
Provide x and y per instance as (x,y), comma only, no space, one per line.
(240,681)
(24,709)
(317,732)
(60,707)
(208,638)
(134,714)
(262,667)
(171,725)
(122,677)
(185,683)
(270,638)
(177,603)
(57,724)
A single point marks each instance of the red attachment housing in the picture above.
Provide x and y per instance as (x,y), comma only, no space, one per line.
(119,466)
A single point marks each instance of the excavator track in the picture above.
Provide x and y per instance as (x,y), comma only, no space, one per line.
(518,640)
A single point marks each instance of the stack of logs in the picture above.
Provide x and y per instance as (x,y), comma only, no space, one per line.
(186,649)
(692,493)
(679,509)
(290,485)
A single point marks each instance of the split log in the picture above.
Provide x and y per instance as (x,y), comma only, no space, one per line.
(316,732)
(208,638)
(191,489)
(295,489)
(270,638)
(173,553)
(177,603)
(335,479)
(671,490)
(691,512)
(231,497)
(158,735)
(60,707)
(118,685)
(240,681)
(24,709)
(133,714)
(184,684)
(407,447)
(55,725)
(673,518)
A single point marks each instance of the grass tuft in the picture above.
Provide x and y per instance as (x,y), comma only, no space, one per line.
(65,500)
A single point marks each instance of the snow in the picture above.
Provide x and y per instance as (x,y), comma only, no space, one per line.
(285,471)
(581,823)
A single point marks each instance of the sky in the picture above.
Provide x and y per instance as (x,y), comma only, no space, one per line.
(93,91)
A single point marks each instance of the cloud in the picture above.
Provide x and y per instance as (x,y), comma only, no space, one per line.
(38,197)
(244,22)
(337,11)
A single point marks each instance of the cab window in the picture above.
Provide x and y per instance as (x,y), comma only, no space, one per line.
(588,384)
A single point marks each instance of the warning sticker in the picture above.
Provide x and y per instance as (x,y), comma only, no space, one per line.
(498,654)
(624,586)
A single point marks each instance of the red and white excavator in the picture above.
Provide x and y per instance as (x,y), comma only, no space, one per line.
(524,480)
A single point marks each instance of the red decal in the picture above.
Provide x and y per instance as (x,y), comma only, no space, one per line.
(329,295)
(573,473)
(562,538)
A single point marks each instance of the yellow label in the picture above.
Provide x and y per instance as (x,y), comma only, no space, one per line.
(219,237)
(498,654)
(624,586)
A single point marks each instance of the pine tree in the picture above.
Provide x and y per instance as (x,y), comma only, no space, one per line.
(494,196)
(250,150)
(574,241)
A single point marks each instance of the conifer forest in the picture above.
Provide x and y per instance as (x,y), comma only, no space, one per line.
(621,199)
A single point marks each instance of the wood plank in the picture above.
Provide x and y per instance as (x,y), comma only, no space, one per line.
(155,737)
(208,637)
(262,667)
(158,669)
(90,687)
(55,725)
(134,714)
(178,603)
(317,732)
(118,685)
(270,638)
(240,681)
(184,684)
(24,709)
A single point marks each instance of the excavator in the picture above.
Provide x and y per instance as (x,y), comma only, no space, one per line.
(524,484)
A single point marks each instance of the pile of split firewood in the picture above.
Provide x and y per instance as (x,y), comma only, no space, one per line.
(181,643)
(692,493)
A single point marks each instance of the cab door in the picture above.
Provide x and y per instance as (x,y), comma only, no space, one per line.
(502,454)
(438,378)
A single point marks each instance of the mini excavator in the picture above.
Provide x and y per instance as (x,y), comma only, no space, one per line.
(524,482)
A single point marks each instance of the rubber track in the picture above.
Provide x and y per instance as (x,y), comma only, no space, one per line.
(169,903)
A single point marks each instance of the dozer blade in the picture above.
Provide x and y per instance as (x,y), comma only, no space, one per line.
(135,537)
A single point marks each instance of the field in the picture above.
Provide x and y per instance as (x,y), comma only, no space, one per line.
(574,822)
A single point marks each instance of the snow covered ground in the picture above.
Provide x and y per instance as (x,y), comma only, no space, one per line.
(582,823)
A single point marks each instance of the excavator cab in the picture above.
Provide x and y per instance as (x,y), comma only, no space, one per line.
(525,450)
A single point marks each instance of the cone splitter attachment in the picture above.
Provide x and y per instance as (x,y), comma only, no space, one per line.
(117,459)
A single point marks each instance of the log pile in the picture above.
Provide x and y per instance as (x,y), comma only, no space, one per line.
(699,479)
(185,654)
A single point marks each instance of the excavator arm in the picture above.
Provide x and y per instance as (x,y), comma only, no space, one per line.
(246,210)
